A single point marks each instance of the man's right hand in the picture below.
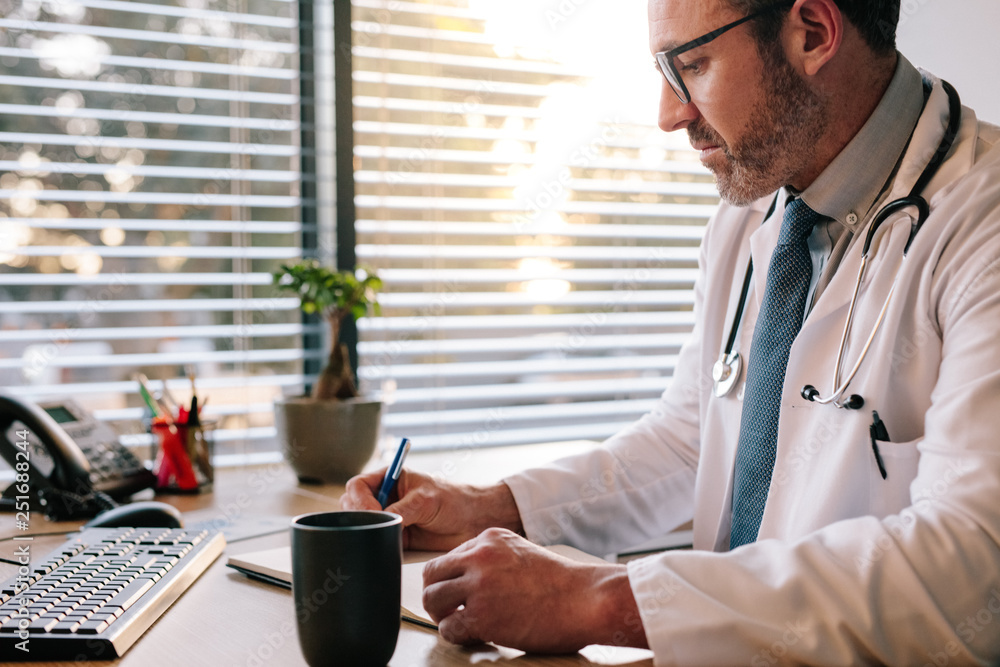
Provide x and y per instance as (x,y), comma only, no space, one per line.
(437,516)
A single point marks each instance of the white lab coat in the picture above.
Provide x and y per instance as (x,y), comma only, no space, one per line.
(849,568)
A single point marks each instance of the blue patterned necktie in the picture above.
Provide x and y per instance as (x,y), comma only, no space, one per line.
(779,321)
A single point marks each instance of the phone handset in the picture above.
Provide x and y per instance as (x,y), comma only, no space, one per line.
(58,471)
(70,469)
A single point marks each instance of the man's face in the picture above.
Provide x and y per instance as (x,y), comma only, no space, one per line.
(752,120)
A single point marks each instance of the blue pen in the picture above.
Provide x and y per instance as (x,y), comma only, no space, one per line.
(392,474)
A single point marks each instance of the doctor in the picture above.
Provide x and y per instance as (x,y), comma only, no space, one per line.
(823,534)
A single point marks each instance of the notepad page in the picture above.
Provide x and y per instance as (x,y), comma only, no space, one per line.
(411,600)
(277,563)
(413,582)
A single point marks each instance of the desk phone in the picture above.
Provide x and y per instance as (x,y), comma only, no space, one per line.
(70,455)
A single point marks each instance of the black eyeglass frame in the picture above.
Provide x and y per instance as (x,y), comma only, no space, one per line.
(665,59)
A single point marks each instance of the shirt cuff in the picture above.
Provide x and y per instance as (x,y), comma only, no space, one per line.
(533,529)
(654,589)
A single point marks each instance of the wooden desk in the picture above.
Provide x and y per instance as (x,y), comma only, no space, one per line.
(225,618)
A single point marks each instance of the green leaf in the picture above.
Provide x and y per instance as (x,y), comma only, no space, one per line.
(321,289)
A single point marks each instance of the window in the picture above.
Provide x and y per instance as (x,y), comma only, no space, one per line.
(149,181)
(537,234)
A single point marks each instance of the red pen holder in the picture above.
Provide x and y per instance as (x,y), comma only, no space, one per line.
(184,458)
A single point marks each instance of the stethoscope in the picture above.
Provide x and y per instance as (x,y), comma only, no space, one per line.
(726,370)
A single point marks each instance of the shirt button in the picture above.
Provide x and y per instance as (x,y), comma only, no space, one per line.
(852,218)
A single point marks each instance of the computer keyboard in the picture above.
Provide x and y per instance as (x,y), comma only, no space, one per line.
(93,597)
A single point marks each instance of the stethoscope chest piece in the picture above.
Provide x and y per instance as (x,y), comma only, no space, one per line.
(725,373)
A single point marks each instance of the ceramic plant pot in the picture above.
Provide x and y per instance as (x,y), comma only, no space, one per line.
(327,441)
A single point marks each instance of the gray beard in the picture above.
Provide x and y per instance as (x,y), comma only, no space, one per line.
(777,144)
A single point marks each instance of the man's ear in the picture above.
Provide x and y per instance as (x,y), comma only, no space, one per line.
(815,33)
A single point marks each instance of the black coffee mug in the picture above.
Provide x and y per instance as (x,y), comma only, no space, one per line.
(347,574)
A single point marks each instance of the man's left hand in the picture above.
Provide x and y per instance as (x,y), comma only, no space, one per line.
(499,587)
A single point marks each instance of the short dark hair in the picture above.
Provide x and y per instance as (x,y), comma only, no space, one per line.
(875,19)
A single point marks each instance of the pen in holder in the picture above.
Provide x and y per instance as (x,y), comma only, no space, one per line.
(184,457)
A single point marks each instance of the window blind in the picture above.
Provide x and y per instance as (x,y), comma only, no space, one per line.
(149,182)
(538,258)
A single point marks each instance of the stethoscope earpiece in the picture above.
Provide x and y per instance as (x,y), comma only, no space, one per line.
(855,402)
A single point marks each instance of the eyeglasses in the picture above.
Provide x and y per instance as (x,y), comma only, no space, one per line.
(665,59)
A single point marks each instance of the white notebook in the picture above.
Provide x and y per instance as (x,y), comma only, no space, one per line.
(275,566)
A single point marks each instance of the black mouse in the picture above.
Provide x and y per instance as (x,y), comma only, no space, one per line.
(142,514)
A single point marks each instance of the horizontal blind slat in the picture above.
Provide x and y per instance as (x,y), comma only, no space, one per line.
(429,322)
(161,358)
(616,231)
(145,35)
(503,393)
(130,388)
(188,12)
(160,251)
(609,253)
(142,90)
(500,299)
(162,64)
(383,353)
(153,305)
(530,367)
(151,144)
(200,199)
(520,413)
(63,335)
(522,207)
(447,278)
(154,171)
(163,224)
(505,437)
(117,115)
(136,279)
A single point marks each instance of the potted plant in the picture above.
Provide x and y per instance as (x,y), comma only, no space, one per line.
(330,435)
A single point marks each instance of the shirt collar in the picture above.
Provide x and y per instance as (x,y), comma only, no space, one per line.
(850,185)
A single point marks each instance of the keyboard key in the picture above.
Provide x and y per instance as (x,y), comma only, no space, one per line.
(64,627)
(91,627)
(111,611)
(131,593)
(42,625)
(80,592)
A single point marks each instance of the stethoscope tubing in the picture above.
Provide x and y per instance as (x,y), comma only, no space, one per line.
(728,358)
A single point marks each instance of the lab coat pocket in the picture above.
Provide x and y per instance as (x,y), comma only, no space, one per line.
(900,460)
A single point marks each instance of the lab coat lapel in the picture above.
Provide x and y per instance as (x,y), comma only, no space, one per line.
(762,244)
(823,326)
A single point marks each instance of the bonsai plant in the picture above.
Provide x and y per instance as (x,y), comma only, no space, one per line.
(329,436)
(334,295)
